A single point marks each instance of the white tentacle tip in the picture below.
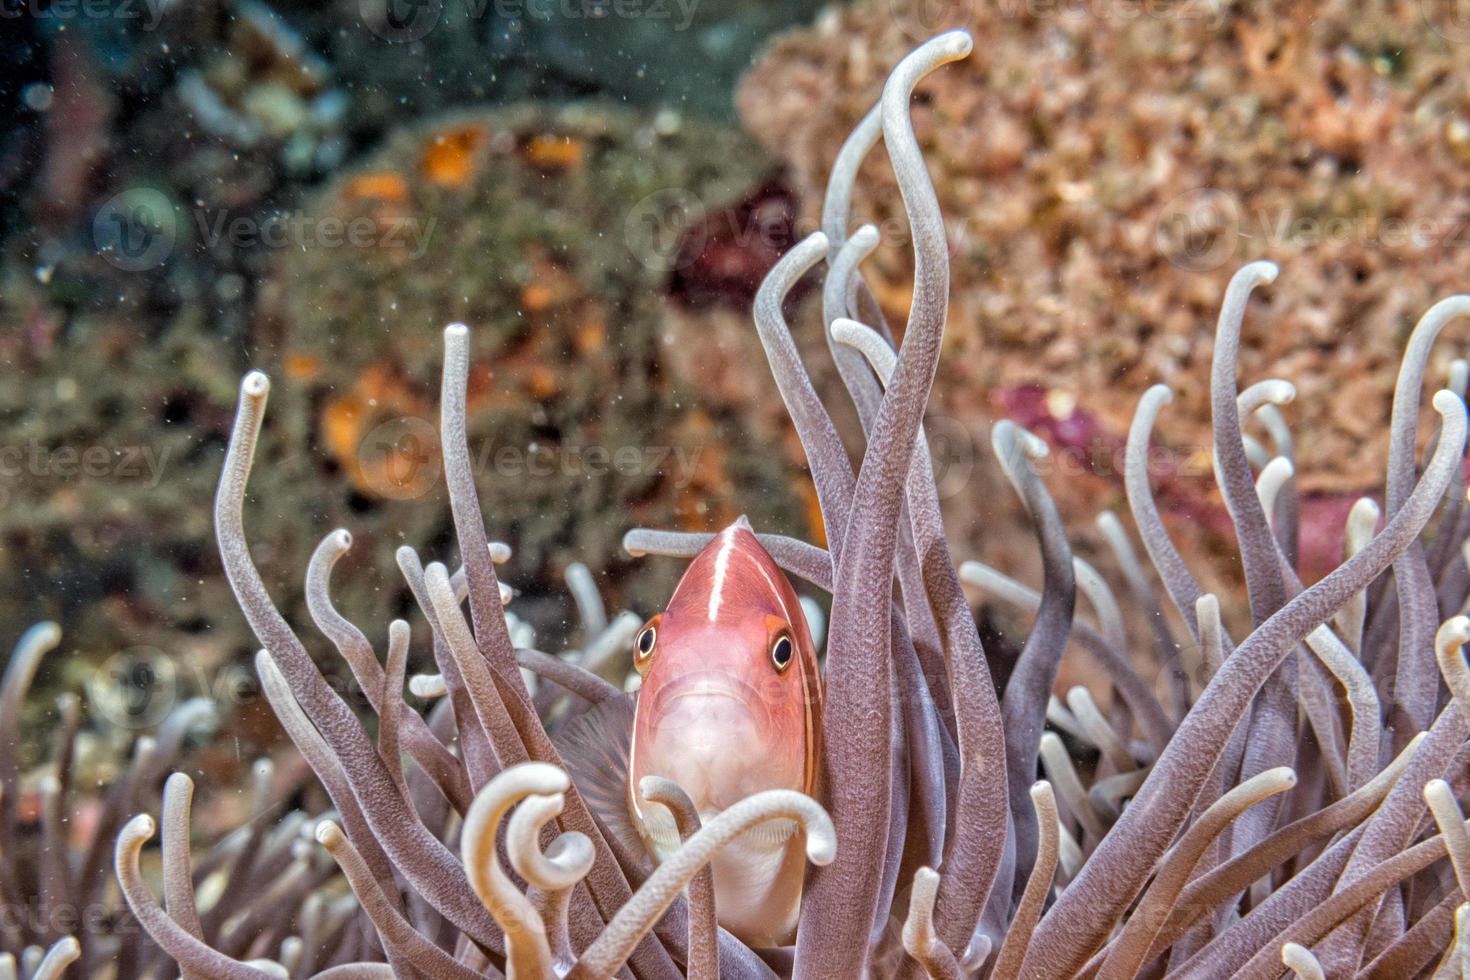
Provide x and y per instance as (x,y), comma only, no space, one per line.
(328,834)
(865,238)
(821,844)
(956,43)
(1259,273)
(456,331)
(1446,401)
(255,385)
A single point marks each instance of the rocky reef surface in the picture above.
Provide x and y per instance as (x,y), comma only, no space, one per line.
(1108,167)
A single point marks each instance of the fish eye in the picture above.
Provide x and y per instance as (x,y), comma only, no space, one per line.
(643,647)
(781,653)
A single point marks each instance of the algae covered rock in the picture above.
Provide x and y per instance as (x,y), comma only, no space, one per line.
(554,235)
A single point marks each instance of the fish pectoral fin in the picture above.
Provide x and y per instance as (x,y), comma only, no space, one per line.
(594,745)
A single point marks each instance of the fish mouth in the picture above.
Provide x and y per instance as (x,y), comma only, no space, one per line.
(711,685)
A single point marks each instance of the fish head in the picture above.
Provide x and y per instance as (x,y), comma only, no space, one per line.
(730,702)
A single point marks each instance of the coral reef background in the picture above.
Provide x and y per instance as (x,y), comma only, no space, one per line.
(1112,164)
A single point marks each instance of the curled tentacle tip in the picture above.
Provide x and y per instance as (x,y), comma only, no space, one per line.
(957,43)
(1259,272)
(255,385)
(1283,776)
(140,827)
(328,834)
(342,538)
(1010,433)
(1279,391)
(1160,393)
(47,633)
(427,686)
(1446,401)
(1455,630)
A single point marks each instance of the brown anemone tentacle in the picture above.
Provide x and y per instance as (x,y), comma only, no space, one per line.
(1271,733)
(1023,707)
(806,561)
(1122,861)
(1366,889)
(552,874)
(919,939)
(1419,946)
(395,669)
(475,668)
(402,943)
(1131,947)
(178,879)
(327,766)
(1010,961)
(61,954)
(703,957)
(1451,822)
(574,677)
(190,953)
(1394,823)
(979,805)
(1301,962)
(1258,549)
(605,956)
(1141,587)
(1208,890)
(20,671)
(487,614)
(842,899)
(474,742)
(1418,613)
(425,862)
(827,459)
(1145,707)
(357,650)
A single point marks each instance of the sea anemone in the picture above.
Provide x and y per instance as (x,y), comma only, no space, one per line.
(1284,803)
